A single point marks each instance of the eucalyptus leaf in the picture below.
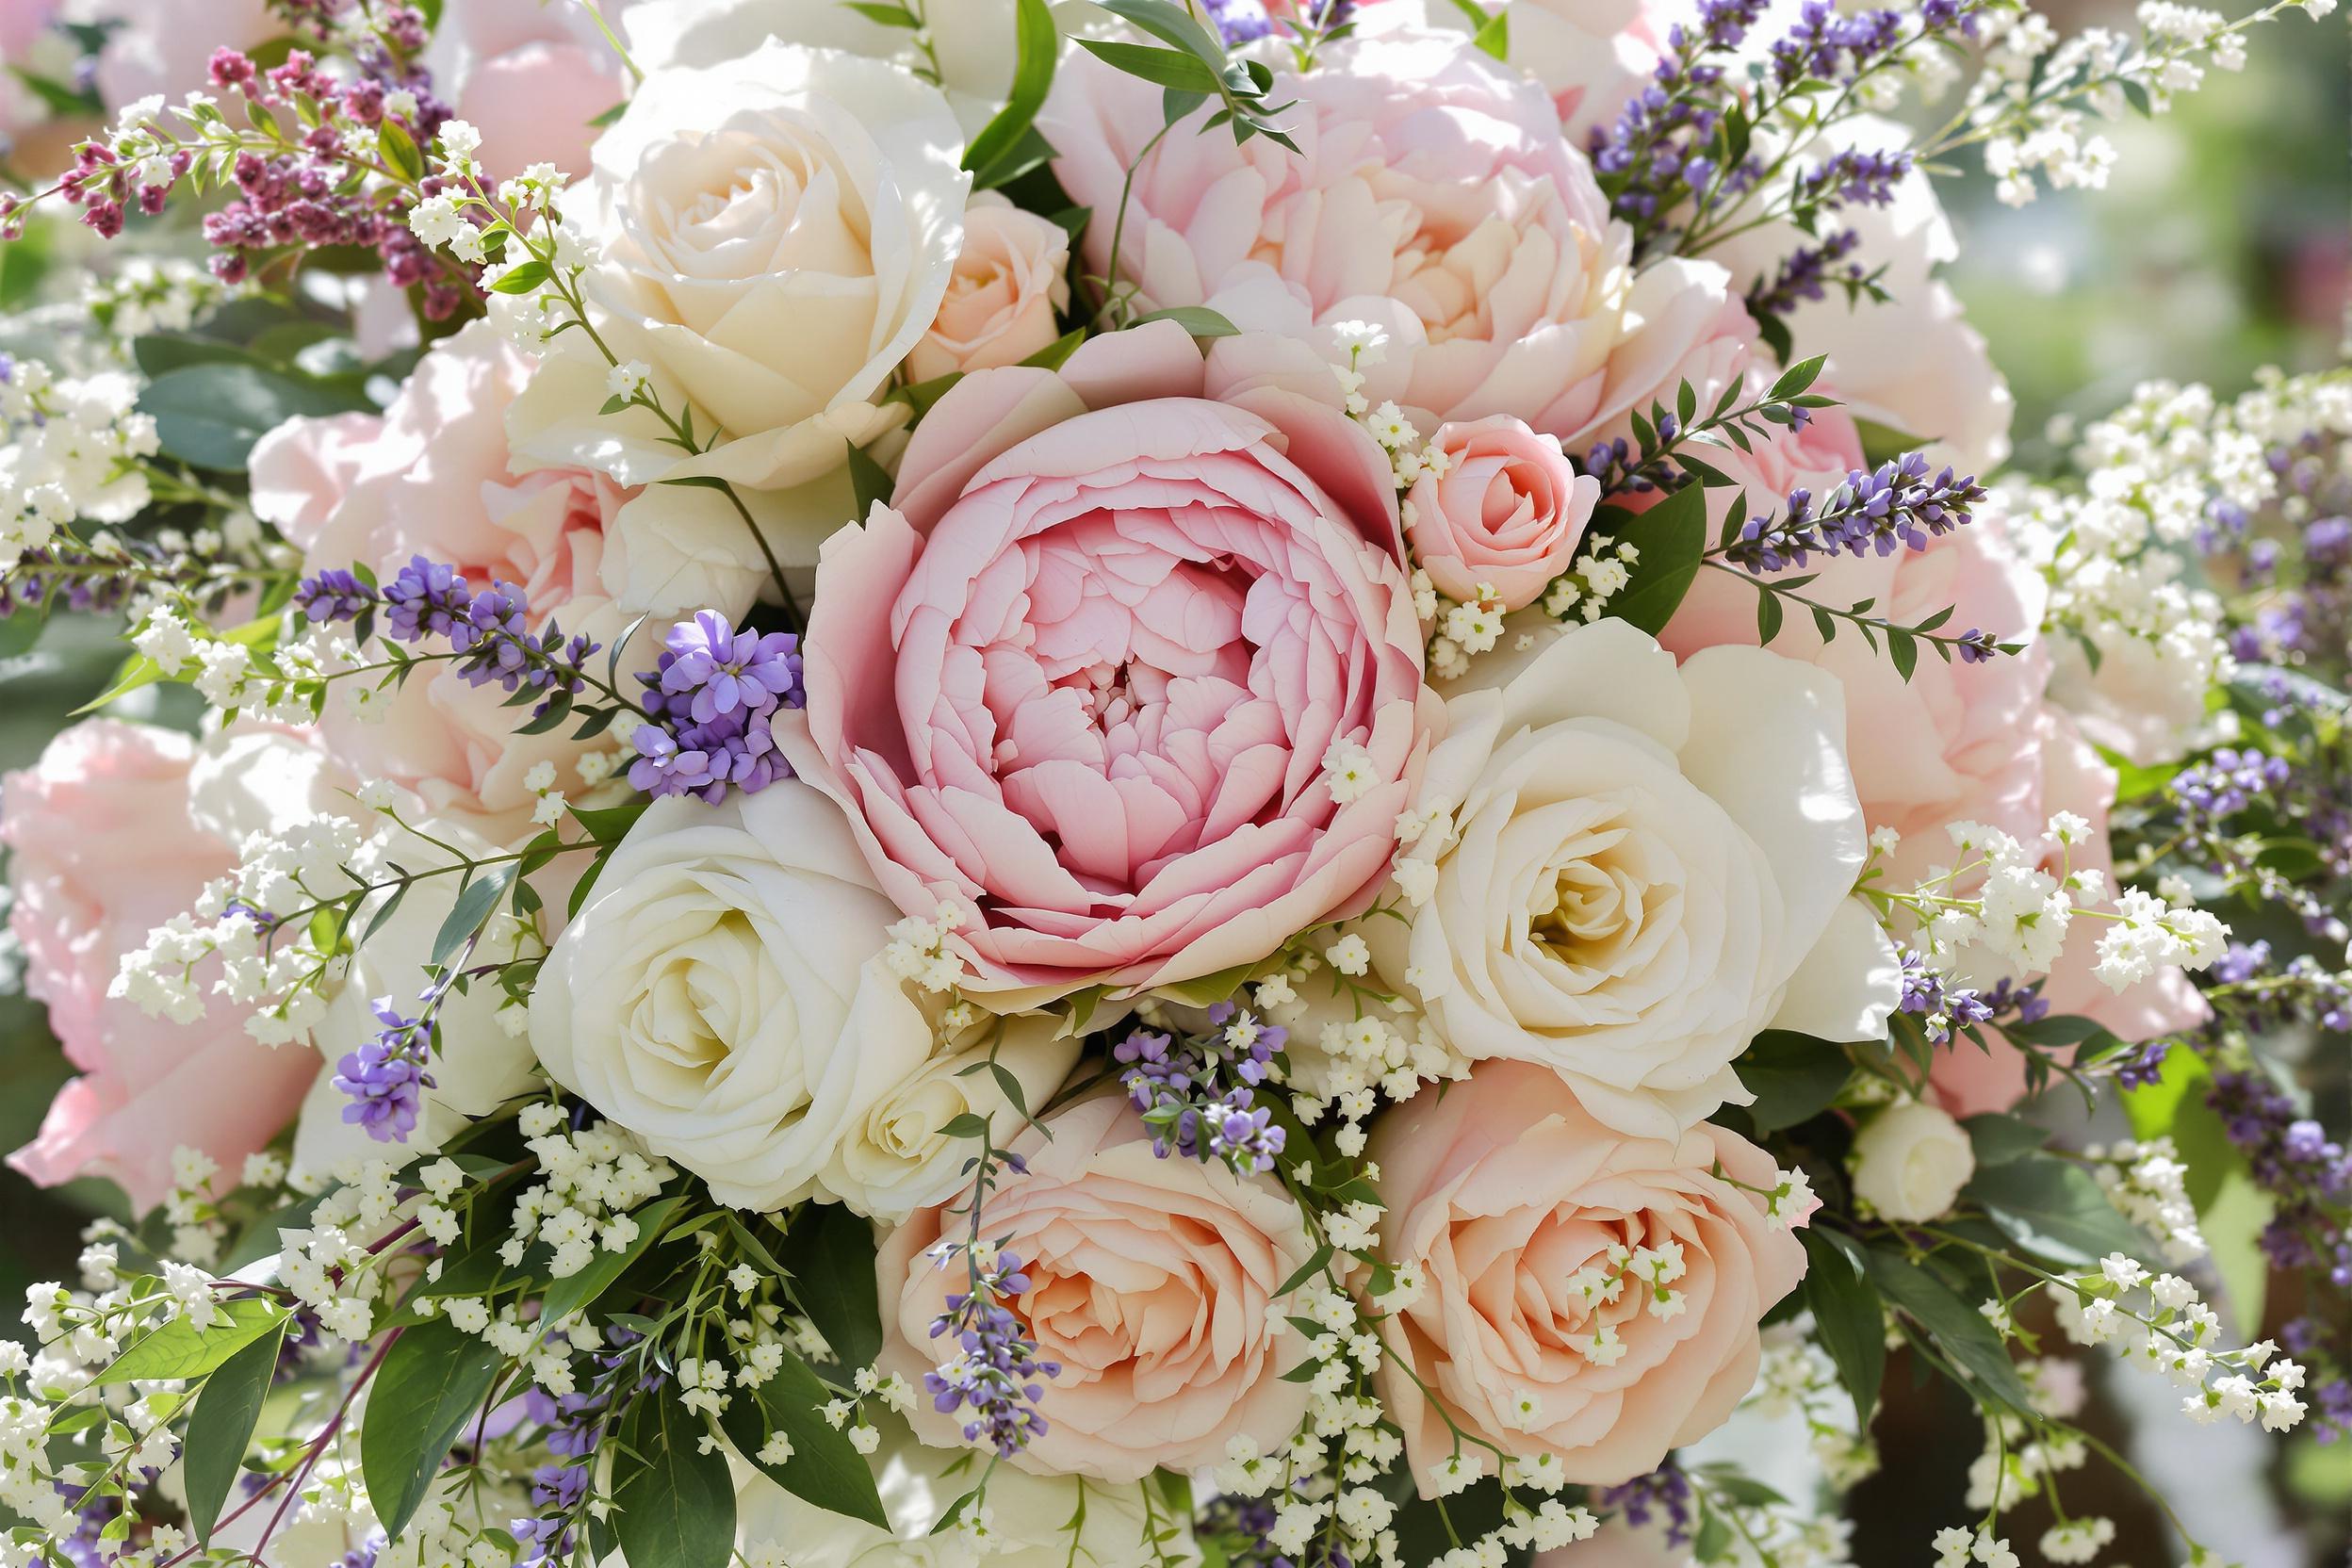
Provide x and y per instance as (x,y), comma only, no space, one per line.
(674,1505)
(432,1380)
(822,1469)
(221,1428)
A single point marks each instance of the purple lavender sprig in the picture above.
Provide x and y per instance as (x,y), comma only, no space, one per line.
(996,1374)
(1895,506)
(710,702)
(1197,1092)
(385,1079)
(488,629)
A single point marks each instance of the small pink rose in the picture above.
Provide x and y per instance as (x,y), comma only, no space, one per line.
(1507,515)
(1001,298)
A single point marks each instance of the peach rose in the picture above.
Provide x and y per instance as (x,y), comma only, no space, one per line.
(1435,198)
(104,848)
(433,476)
(1508,513)
(1086,679)
(1001,298)
(1153,1282)
(1966,1079)
(1510,1199)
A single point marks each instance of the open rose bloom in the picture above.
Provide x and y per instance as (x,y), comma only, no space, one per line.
(1138,783)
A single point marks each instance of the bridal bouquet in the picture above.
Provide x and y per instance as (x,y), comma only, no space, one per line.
(1132,783)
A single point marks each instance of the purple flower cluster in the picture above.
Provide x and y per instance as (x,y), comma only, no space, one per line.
(1654,157)
(1663,1492)
(2229,780)
(710,699)
(385,1078)
(489,629)
(2297,552)
(1806,275)
(570,1427)
(1896,506)
(1926,996)
(996,1376)
(1197,1092)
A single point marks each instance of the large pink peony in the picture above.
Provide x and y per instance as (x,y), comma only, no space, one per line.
(1155,1283)
(103,849)
(1436,198)
(433,476)
(1087,681)
(1509,1199)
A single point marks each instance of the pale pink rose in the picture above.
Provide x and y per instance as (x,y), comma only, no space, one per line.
(1503,1192)
(1080,682)
(1954,742)
(103,849)
(25,27)
(1508,513)
(1968,1079)
(1435,198)
(1002,296)
(530,76)
(157,46)
(1591,56)
(1153,1282)
(433,476)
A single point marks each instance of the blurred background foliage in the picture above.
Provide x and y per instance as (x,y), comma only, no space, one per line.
(2223,243)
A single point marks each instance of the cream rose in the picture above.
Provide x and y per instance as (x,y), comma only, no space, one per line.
(897,1156)
(774,233)
(1648,865)
(723,994)
(1000,302)
(1152,1282)
(1513,1202)
(1910,1163)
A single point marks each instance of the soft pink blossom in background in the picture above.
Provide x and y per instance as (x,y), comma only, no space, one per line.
(531,77)
(103,848)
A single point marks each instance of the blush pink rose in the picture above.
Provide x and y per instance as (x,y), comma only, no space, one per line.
(1954,742)
(532,77)
(103,849)
(433,476)
(1085,679)
(1434,197)
(1001,298)
(154,47)
(1966,1079)
(1591,56)
(1507,1197)
(1153,1282)
(1508,513)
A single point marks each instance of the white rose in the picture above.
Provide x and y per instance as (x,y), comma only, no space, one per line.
(773,233)
(1027,1515)
(1911,1161)
(896,1158)
(1650,865)
(723,995)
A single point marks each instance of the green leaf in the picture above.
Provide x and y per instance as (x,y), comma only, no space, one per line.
(474,904)
(824,1468)
(2054,1209)
(573,1292)
(1996,1139)
(180,1350)
(1848,1320)
(1796,379)
(1308,1269)
(869,481)
(210,416)
(1958,1329)
(1199,321)
(1884,443)
(1494,37)
(1161,67)
(433,1380)
(1793,1077)
(1038,46)
(400,152)
(221,1428)
(1673,538)
(523,278)
(674,1505)
(835,1283)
